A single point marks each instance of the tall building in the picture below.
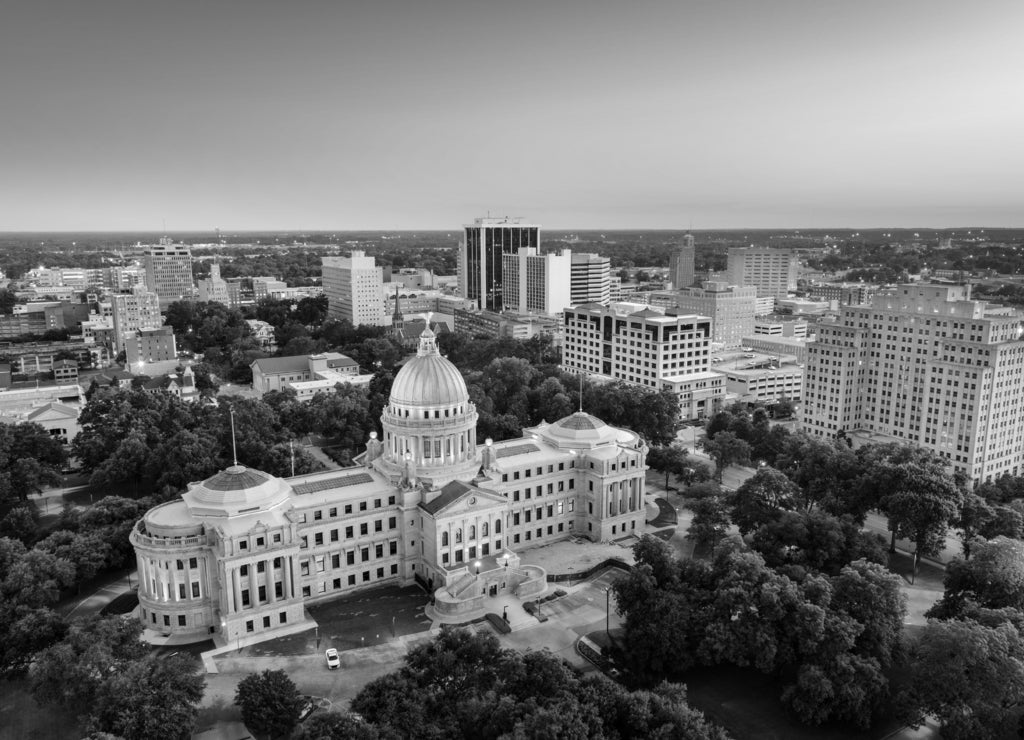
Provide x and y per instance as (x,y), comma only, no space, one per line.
(240,554)
(923,364)
(682,271)
(354,287)
(214,288)
(730,307)
(484,244)
(591,279)
(771,271)
(643,346)
(169,272)
(132,312)
(536,283)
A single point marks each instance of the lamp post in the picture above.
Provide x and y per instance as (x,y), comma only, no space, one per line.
(607,612)
(477,564)
(316,629)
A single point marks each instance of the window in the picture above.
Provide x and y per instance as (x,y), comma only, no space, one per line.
(181,591)
(318,515)
(318,538)
(366,576)
(304,568)
(364,554)
(348,508)
(352,580)
(193,563)
(277,539)
(378,551)
(349,533)
(393,522)
(262,593)
(350,557)
(261,566)
(362,506)
(380,572)
(334,511)
(181,620)
(195,589)
(306,592)
(394,569)
(249,626)
(335,561)
(444,539)
(458,536)
(243,545)
(320,564)
(364,528)
(181,564)
(283,617)
(376,503)
(378,526)
(483,529)
(393,548)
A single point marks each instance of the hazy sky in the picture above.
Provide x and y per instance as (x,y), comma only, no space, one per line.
(336,114)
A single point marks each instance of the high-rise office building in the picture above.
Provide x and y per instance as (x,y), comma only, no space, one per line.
(169,272)
(644,346)
(354,287)
(214,288)
(730,307)
(771,271)
(537,283)
(591,279)
(923,364)
(484,244)
(133,312)
(681,264)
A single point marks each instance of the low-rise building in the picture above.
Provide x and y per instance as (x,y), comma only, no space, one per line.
(147,346)
(279,373)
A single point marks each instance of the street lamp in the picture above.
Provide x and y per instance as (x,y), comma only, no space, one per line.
(477,564)
(607,612)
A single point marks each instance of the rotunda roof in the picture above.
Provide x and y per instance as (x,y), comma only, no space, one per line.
(582,427)
(237,490)
(429,379)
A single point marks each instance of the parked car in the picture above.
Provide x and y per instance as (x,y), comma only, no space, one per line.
(333,661)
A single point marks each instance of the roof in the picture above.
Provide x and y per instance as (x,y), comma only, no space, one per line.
(449,495)
(65,363)
(59,408)
(274,365)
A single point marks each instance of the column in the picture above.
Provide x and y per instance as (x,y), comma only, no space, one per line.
(188,580)
(253,588)
(291,575)
(236,582)
(173,578)
(271,597)
(285,577)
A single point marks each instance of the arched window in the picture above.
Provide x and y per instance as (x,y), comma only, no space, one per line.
(458,536)
(472,531)
(483,529)
(497,526)
(444,539)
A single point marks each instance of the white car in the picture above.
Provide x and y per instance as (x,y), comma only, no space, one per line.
(333,661)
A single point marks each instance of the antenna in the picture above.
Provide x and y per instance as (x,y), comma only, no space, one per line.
(581,391)
(234,448)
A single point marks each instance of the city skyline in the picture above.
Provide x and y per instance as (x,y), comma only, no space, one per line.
(399,115)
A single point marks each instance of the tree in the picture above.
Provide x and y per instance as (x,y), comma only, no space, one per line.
(270,703)
(992,579)
(710,521)
(21,523)
(150,699)
(30,460)
(822,469)
(72,672)
(815,540)
(726,449)
(671,460)
(87,551)
(784,408)
(969,676)
(761,498)
(923,507)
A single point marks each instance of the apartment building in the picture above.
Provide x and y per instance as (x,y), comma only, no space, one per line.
(730,307)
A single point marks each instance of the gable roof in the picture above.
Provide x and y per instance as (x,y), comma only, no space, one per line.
(58,409)
(449,495)
(273,365)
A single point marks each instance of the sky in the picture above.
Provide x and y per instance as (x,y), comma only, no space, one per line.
(589,114)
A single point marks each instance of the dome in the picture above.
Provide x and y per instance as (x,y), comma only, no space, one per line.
(429,379)
(236,490)
(582,427)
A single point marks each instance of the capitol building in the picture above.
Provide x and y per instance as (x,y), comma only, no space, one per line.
(240,554)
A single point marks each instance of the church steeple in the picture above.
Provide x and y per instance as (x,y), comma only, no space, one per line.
(397,319)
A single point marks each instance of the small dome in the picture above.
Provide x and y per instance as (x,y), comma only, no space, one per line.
(429,379)
(236,490)
(582,427)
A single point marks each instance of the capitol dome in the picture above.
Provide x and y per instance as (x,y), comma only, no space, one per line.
(429,379)
(236,490)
